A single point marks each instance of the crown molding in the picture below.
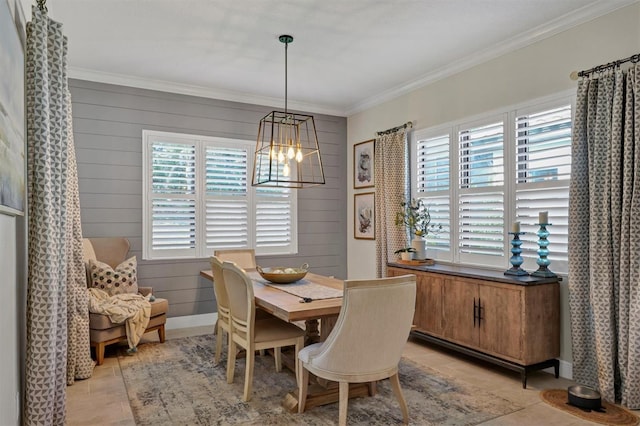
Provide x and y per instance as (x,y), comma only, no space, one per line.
(556,26)
(200,91)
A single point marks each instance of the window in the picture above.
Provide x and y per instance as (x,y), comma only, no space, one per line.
(433,169)
(543,171)
(199,198)
(479,176)
(481,191)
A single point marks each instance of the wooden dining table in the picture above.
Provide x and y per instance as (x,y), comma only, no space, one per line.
(319,317)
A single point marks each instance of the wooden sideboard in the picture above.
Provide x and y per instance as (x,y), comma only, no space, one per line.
(507,320)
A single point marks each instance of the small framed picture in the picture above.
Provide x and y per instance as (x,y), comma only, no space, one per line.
(363,170)
(364,223)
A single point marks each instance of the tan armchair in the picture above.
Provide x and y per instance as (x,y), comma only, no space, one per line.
(102,331)
(367,341)
(252,334)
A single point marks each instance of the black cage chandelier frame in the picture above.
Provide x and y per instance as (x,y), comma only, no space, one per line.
(287,152)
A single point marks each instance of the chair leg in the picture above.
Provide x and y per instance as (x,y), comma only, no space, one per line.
(373,388)
(342,405)
(277,354)
(231,360)
(395,385)
(215,326)
(248,375)
(219,337)
(299,345)
(161,333)
(303,385)
(99,353)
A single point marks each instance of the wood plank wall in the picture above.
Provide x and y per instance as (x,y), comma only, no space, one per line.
(108,121)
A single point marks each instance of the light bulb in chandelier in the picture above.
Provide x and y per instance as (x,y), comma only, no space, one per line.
(299,157)
(280,156)
(285,170)
(291,153)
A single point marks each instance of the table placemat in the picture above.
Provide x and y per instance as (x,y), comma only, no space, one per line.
(305,288)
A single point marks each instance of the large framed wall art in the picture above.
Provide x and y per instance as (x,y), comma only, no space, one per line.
(12,111)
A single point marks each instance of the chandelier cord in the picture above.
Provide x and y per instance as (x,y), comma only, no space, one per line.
(286,48)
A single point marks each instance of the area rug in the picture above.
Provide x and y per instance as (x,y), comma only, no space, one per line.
(177,383)
(612,414)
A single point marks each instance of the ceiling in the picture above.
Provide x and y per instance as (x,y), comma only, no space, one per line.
(346,56)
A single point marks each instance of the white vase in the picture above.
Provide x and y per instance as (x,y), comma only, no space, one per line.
(420,245)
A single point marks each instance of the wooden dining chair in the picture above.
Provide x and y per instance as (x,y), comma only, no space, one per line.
(367,341)
(252,334)
(244,258)
(222,301)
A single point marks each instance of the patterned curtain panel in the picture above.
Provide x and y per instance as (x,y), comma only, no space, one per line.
(604,236)
(79,362)
(53,209)
(392,187)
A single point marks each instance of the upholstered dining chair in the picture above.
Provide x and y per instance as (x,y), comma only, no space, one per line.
(244,258)
(252,334)
(367,341)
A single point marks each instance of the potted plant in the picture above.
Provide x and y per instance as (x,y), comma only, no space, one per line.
(415,216)
(406,253)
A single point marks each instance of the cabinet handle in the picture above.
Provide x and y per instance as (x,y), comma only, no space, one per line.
(475,312)
(480,308)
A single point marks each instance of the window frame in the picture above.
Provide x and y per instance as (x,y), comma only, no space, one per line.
(452,129)
(200,251)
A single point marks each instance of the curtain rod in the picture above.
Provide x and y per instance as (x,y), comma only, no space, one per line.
(633,59)
(408,124)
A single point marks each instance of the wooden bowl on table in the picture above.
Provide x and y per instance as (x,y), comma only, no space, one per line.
(283,275)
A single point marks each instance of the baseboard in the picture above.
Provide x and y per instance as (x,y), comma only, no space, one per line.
(187,321)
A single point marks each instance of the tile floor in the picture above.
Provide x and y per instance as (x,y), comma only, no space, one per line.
(102,399)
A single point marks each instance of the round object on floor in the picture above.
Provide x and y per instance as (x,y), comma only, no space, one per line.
(584,397)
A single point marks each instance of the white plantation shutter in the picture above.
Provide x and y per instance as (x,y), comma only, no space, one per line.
(173,199)
(433,176)
(273,223)
(481,223)
(227,223)
(198,199)
(226,193)
(481,194)
(275,220)
(543,166)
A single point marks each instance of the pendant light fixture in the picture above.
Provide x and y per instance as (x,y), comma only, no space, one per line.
(287,153)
